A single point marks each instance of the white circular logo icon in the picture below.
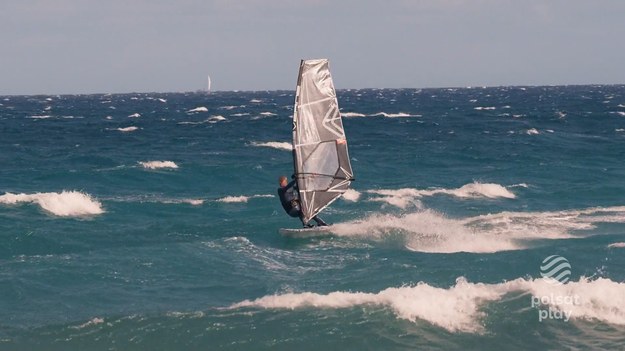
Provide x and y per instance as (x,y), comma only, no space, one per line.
(556,269)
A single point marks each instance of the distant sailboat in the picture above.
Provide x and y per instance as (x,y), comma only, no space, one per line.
(209,84)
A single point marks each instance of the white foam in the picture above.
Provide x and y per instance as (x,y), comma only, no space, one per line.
(532,131)
(403,197)
(488,108)
(459,307)
(231,199)
(616,245)
(158,164)
(280,145)
(352,114)
(194,202)
(215,119)
(198,109)
(240,199)
(134,115)
(40,117)
(476,189)
(621,113)
(267,114)
(425,231)
(64,204)
(351,195)
(92,322)
(161,100)
(520,185)
(127,129)
(211,119)
(394,115)
(430,231)
(256,101)
(240,114)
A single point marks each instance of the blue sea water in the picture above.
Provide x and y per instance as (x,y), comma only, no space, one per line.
(149,222)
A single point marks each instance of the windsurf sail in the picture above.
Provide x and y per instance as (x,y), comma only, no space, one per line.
(320,156)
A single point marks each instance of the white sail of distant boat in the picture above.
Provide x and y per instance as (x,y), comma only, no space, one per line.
(209,84)
(321,161)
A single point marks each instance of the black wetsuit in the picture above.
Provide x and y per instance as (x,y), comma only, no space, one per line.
(289,198)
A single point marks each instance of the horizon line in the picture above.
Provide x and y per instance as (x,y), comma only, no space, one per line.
(200,91)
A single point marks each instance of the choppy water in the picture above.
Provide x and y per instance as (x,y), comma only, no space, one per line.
(148,221)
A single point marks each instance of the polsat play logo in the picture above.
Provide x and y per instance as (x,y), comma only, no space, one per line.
(556,269)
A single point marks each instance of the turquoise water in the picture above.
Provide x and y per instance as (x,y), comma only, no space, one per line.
(149,222)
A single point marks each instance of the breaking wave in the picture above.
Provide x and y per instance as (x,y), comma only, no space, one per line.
(430,231)
(280,145)
(352,114)
(63,204)
(240,199)
(215,119)
(394,115)
(198,109)
(459,307)
(158,164)
(402,198)
(127,129)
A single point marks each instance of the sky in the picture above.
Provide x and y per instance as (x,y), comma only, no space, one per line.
(117,46)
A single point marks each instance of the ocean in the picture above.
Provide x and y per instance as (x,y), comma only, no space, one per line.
(149,221)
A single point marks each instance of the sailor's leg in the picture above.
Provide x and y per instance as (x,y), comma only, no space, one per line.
(320,221)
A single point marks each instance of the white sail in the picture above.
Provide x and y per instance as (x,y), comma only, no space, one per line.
(321,160)
(209,84)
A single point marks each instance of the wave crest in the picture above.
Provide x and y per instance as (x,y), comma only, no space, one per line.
(458,308)
(158,164)
(127,129)
(275,145)
(64,204)
(430,231)
(240,199)
(403,197)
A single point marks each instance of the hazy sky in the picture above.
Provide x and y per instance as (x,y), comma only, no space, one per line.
(100,46)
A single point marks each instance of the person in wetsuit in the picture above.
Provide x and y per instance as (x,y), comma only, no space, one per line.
(289,197)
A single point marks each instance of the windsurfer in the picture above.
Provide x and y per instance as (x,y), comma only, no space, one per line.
(289,197)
